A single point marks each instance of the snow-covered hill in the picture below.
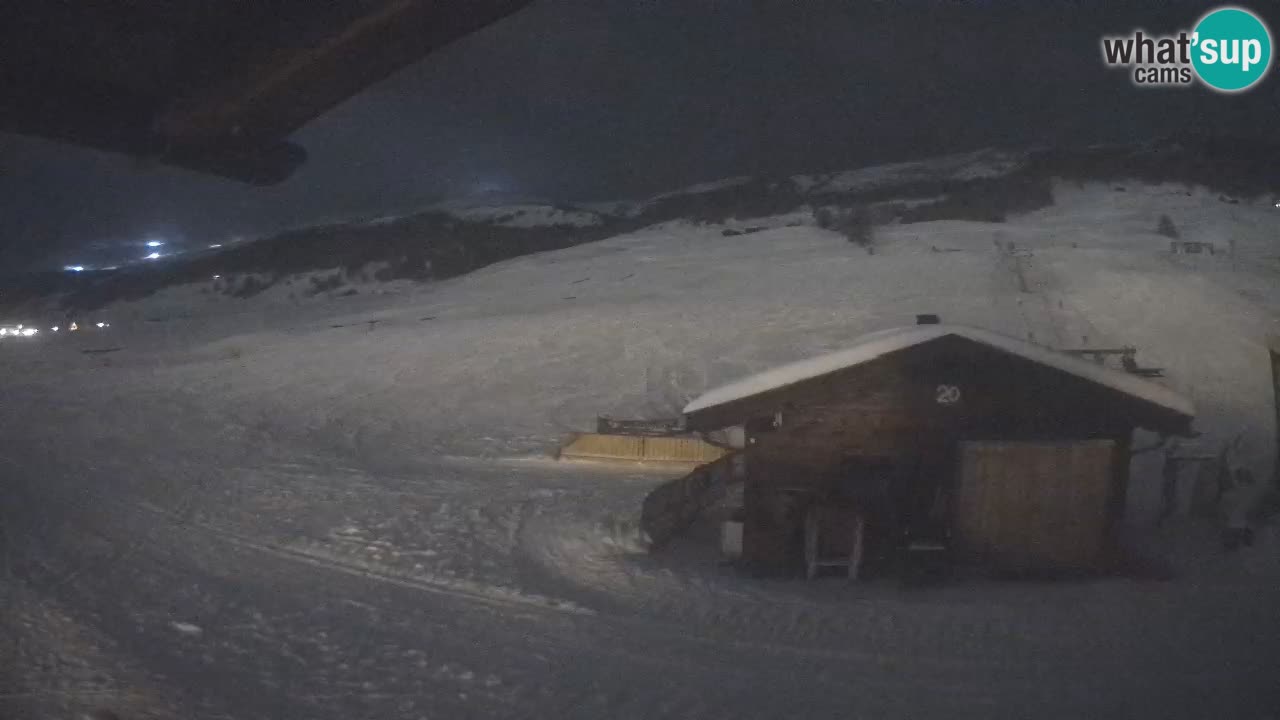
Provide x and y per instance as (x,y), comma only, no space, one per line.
(399,432)
(452,238)
(638,322)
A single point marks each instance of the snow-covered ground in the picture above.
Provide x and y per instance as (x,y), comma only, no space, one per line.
(342,507)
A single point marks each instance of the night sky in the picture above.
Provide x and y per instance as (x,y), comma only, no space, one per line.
(607,99)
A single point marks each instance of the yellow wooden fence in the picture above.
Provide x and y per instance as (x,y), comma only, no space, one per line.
(594,446)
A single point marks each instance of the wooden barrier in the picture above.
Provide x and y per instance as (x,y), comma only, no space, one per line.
(673,506)
(595,446)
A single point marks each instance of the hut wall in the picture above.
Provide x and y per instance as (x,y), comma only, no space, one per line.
(1036,505)
(912,411)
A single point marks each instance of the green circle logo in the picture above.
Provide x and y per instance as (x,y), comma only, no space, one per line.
(1231,49)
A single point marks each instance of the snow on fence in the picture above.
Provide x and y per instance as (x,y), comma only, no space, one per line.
(651,428)
(673,506)
(638,448)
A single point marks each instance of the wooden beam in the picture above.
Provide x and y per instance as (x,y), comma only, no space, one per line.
(114,119)
(211,87)
(281,92)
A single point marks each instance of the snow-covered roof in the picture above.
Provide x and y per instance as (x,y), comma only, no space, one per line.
(879,344)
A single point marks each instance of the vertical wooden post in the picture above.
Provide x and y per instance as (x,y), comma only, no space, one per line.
(855,557)
(1117,501)
(812,542)
(1273,343)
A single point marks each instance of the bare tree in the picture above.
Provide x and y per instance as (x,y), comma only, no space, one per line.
(858,227)
(856,223)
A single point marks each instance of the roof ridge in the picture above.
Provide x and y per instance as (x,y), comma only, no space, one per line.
(883,342)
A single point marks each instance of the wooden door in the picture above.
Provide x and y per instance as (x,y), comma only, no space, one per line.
(1035,506)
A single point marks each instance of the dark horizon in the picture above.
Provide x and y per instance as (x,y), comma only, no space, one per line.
(570,100)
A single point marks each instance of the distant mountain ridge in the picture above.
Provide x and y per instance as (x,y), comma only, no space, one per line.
(449,239)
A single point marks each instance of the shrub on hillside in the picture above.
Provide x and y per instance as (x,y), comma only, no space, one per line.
(825,218)
(990,200)
(858,227)
(857,223)
(251,285)
(1166,228)
(326,283)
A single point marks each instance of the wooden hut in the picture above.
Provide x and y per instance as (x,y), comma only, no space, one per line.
(998,447)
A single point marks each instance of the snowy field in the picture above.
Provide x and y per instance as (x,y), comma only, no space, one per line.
(343,507)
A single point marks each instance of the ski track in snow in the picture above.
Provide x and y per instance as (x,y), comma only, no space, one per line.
(259,514)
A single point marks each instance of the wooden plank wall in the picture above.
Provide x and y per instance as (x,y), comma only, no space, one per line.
(594,446)
(772,538)
(672,506)
(888,411)
(1036,506)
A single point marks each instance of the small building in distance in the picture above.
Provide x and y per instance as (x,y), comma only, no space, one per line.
(1004,450)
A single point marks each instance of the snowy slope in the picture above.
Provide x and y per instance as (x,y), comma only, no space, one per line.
(662,314)
(400,436)
(519,352)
